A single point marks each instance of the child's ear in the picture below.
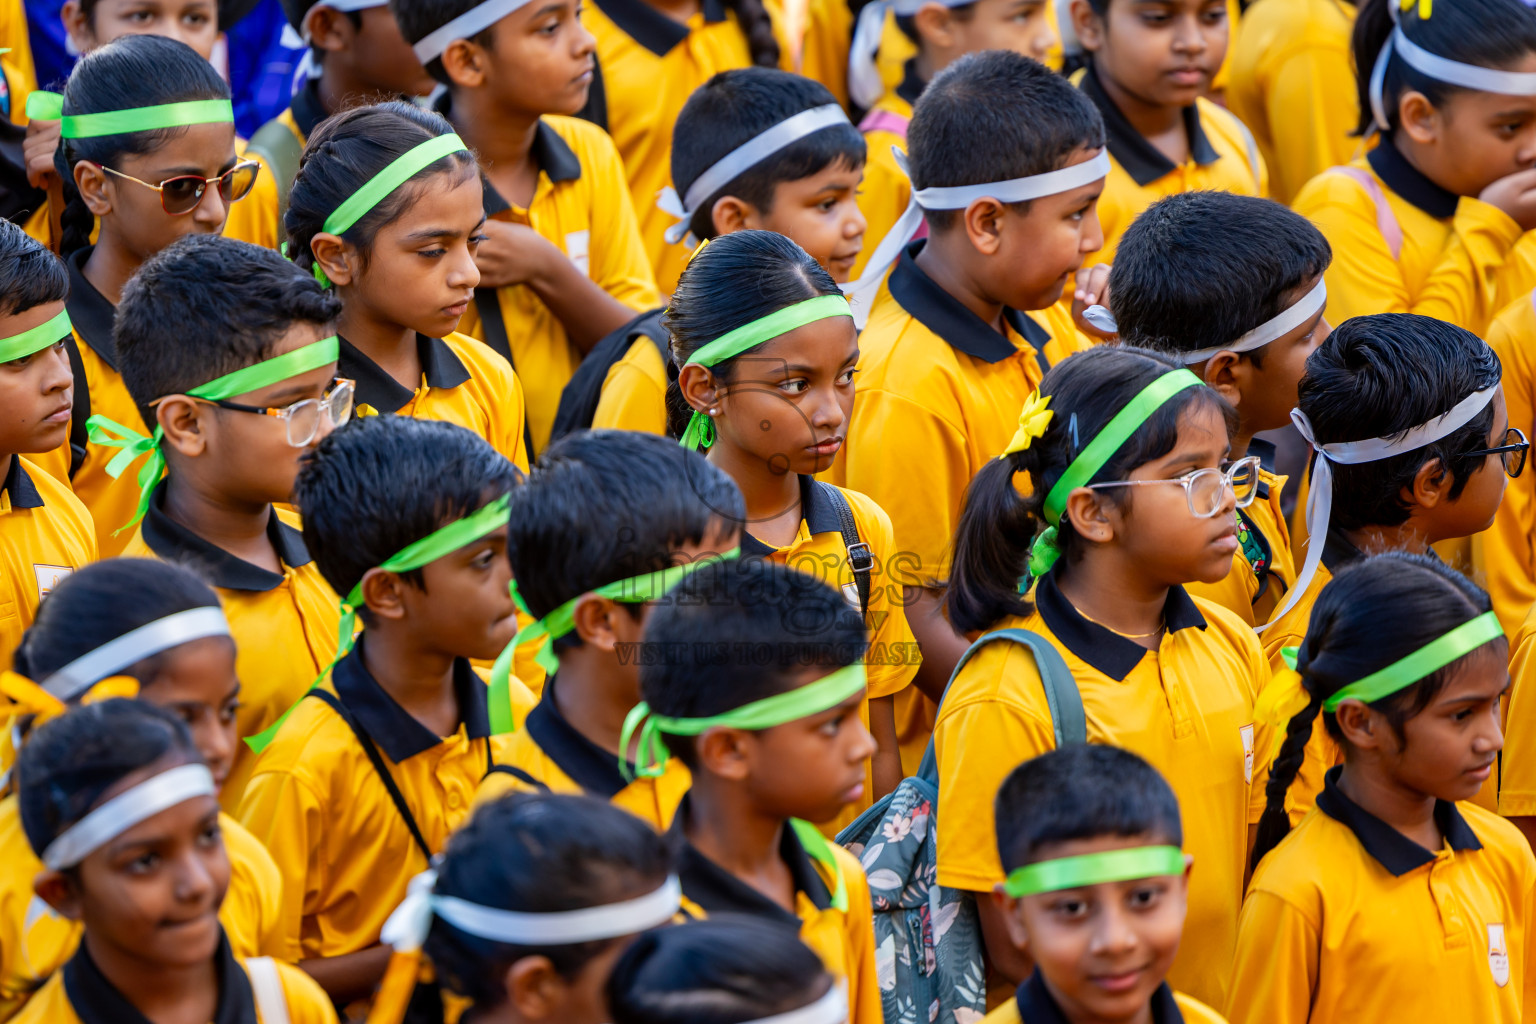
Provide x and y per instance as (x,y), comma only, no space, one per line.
(329,29)
(77,25)
(593,619)
(1418,117)
(731,214)
(384,593)
(723,752)
(59,891)
(535,989)
(1432,486)
(91,181)
(1008,907)
(1228,373)
(699,387)
(466,63)
(336,257)
(1362,727)
(1089,28)
(984,225)
(180,418)
(935,25)
(1089,516)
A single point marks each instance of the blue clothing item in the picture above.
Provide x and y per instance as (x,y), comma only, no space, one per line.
(45,29)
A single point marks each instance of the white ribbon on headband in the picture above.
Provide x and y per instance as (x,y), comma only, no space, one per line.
(831,1008)
(1353,453)
(1065,30)
(745,156)
(1441,69)
(1273,329)
(407,927)
(466,26)
(124,811)
(133,647)
(864,83)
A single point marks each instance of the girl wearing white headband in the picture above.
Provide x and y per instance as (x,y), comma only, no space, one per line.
(1432,220)
(123,815)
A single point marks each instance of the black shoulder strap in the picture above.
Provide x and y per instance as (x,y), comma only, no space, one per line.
(377,760)
(82,410)
(518,774)
(860,559)
(580,398)
(488,303)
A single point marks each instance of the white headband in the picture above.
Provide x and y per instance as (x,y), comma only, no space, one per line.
(124,811)
(1441,69)
(831,1008)
(745,156)
(407,927)
(958,197)
(133,647)
(1353,453)
(466,26)
(1273,329)
(864,83)
(1065,30)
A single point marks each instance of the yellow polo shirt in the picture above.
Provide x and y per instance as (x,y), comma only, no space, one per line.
(634,392)
(45,534)
(18,76)
(1034,1004)
(1504,555)
(1262,568)
(886,191)
(1187,708)
(1350,920)
(1517,763)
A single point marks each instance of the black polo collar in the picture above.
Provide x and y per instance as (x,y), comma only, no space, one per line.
(1339,551)
(1266,453)
(172,542)
(1144,162)
(1104,649)
(652,29)
(1393,850)
(816,511)
(718,891)
(392,727)
(551,154)
(1409,182)
(1038,1006)
(97,1001)
(18,484)
(377,388)
(89,311)
(306,108)
(584,762)
(911,85)
(947,316)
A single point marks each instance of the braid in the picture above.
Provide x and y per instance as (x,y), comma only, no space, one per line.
(76,218)
(757,25)
(1276,824)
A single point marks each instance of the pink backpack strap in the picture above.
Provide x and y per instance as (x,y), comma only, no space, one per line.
(885,121)
(1386,220)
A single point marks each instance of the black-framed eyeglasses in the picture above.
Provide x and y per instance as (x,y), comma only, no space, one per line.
(1512,452)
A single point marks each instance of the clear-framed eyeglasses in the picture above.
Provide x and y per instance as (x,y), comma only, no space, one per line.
(303,418)
(1206,489)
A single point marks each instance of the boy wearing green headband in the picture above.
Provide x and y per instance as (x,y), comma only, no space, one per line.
(1096,891)
(753,675)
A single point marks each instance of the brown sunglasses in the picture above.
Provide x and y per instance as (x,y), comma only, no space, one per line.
(182,193)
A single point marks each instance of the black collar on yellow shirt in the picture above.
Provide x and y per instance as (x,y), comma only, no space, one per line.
(376,388)
(394,729)
(1144,162)
(649,27)
(551,154)
(1104,649)
(89,311)
(97,1001)
(172,542)
(1409,182)
(818,513)
(949,318)
(1038,1006)
(585,763)
(718,891)
(1393,850)
(20,487)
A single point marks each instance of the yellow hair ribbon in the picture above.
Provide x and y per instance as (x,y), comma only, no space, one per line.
(1426,7)
(111,688)
(1034,419)
(1282,700)
(698,249)
(27,698)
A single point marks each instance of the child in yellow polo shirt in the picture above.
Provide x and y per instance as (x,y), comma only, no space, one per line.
(119,807)
(1127,456)
(155,627)
(1096,889)
(753,675)
(1396,898)
(599,530)
(1434,219)
(231,346)
(361,784)
(1232,287)
(387,209)
(1504,555)
(562,264)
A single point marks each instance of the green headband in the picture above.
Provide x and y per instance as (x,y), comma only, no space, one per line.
(812,699)
(440,542)
(1098,451)
(111,434)
(1095,869)
(701,430)
(1432,657)
(19,346)
(49,106)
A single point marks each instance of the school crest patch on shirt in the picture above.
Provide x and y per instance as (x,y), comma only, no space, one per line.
(1246,732)
(1498,955)
(48,577)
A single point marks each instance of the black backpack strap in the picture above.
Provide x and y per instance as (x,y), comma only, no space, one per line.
(860,559)
(518,774)
(582,393)
(78,437)
(377,760)
(488,303)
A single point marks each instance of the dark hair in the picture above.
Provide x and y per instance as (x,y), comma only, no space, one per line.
(1380,375)
(381,483)
(738,631)
(420,18)
(205,306)
(127,73)
(713,298)
(635,498)
(725,970)
(998,524)
(69,762)
(1486,33)
(538,853)
(1198,270)
(344,153)
(30,275)
(1424,599)
(296,11)
(1082,791)
(995,116)
(735,106)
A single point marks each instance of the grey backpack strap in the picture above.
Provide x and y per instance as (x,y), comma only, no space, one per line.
(860,560)
(280,148)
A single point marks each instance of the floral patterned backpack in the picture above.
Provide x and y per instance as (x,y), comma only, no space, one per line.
(928,949)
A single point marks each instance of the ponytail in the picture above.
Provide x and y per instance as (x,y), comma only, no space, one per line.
(992,545)
(757,25)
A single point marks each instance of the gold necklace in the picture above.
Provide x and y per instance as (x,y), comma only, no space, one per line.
(1129,636)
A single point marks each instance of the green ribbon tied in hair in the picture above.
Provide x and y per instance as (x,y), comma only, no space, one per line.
(399,171)
(111,434)
(30,342)
(49,106)
(1095,869)
(1430,658)
(443,541)
(1047,549)
(700,432)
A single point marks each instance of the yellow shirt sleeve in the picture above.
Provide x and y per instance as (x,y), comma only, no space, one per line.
(1517,770)
(253,906)
(288,817)
(893,659)
(254,219)
(617,260)
(864,1005)
(1504,555)
(1275,971)
(307,1001)
(634,395)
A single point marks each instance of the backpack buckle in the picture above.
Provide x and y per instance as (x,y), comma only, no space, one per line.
(860,558)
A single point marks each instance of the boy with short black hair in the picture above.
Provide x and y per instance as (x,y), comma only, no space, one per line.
(753,675)
(563,264)
(604,522)
(1097,828)
(198,313)
(1232,286)
(361,785)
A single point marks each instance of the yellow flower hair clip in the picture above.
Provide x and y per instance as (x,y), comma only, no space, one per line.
(1426,7)
(1034,419)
